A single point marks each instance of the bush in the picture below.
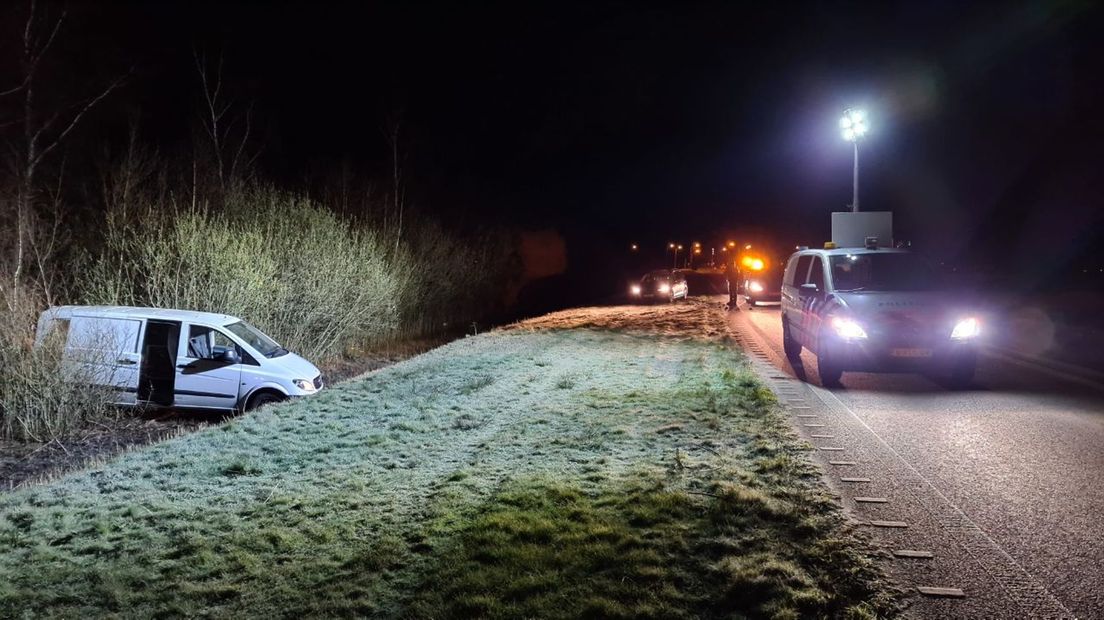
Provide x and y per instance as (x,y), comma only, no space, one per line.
(314,281)
(297,271)
(36,402)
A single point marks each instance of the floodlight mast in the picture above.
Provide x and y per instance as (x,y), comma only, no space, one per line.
(853,126)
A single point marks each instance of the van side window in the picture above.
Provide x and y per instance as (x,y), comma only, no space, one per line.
(199,342)
(208,343)
(816,276)
(802,270)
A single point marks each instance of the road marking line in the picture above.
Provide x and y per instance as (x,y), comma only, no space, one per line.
(871,500)
(1022,588)
(806,415)
(813,425)
(942,592)
(799,407)
(823,436)
(912,553)
(796,400)
(842,463)
(896,524)
(831,449)
(854,479)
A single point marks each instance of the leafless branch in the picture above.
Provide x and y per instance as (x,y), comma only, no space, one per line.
(91,103)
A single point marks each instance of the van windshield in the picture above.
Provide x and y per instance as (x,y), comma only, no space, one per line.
(881,272)
(256,339)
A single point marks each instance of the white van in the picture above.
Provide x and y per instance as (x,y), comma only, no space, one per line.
(176,358)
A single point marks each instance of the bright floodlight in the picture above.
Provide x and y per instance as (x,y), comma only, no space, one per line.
(853,125)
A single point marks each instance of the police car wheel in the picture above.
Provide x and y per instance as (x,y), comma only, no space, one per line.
(827,370)
(962,373)
(789,345)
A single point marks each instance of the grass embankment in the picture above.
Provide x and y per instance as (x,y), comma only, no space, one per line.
(547,474)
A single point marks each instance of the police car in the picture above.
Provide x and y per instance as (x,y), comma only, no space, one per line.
(874,309)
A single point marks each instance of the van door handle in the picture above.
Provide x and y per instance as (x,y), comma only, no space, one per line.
(126,361)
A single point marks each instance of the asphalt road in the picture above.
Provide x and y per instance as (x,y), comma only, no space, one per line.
(1003,482)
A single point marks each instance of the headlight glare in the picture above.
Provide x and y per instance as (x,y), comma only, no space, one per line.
(966,328)
(848,329)
(664,288)
(755,287)
(635,289)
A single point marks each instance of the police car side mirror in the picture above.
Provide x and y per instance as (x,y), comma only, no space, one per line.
(808,290)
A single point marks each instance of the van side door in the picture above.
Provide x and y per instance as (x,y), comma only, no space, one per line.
(205,377)
(794,302)
(815,304)
(103,351)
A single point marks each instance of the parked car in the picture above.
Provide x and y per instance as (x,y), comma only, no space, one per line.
(875,310)
(176,358)
(660,285)
(758,277)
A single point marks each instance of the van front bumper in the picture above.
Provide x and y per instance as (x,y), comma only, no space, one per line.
(874,356)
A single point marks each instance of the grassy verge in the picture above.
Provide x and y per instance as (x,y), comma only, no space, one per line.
(543,474)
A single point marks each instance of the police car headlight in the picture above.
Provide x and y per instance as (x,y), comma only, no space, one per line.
(848,329)
(664,288)
(305,385)
(965,329)
(755,287)
(635,290)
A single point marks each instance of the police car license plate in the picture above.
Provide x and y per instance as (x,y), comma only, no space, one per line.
(911,352)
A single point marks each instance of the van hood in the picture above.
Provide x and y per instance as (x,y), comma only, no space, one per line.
(295,365)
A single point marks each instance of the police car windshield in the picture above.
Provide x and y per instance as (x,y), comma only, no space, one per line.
(881,272)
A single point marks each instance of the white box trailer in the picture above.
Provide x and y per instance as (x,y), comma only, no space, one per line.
(177,358)
(851,229)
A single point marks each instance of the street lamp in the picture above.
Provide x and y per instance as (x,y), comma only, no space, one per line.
(853,127)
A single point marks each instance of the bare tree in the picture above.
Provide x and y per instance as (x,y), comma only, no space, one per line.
(42,131)
(229,133)
(393,132)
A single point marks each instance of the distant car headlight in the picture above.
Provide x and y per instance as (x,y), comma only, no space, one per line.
(965,329)
(664,288)
(305,385)
(635,290)
(848,329)
(755,287)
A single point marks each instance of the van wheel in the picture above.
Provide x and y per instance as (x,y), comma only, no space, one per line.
(750,302)
(829,371)
(791,346)
(962,373)
(262,399)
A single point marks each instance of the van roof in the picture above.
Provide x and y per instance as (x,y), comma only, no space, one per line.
(846,251)
(132,312)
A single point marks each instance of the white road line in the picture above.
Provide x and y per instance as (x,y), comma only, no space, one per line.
(1020,585)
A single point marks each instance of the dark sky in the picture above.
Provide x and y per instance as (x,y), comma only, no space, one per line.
(649,121)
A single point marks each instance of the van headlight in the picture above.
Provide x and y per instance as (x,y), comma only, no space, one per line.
(305,385)
(848,329)
(755,287)
(966,329)
(664,288)
(635,289)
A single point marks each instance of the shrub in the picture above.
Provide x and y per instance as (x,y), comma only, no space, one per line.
(37,402)
(297,271)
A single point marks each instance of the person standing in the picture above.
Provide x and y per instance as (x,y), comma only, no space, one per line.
(732,274)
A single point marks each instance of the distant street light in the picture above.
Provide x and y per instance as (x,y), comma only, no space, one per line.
(635,247)
(853,126)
